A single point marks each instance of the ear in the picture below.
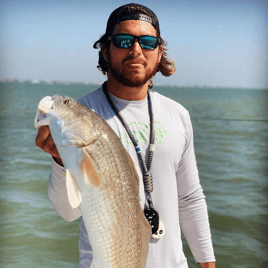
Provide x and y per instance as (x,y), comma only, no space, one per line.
(160,53)
(105,53)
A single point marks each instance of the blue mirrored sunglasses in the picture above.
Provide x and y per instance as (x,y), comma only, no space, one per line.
(127,41)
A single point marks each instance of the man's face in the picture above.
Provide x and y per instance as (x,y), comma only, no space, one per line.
(133,66)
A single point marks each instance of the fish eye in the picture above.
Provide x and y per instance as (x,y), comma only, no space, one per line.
(66,102)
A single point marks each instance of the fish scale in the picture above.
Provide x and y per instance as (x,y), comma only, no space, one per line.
(116,205)
(101,180)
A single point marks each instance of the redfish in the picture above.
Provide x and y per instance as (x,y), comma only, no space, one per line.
(101,180)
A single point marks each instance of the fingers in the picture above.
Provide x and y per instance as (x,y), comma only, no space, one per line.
(42,136)
(44,141)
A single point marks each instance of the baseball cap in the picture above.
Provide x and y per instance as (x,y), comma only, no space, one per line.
(129,12)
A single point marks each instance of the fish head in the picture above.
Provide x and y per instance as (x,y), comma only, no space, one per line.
(69,121)
(65,109)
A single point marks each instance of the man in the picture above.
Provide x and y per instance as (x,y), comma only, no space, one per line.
(131,52)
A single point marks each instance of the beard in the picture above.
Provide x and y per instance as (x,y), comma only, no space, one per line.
(131,78)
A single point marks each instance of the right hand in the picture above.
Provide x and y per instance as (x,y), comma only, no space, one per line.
(44,141)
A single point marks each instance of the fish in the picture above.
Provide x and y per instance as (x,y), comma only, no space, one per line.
(101,180)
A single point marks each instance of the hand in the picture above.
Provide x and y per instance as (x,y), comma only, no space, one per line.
(44,141)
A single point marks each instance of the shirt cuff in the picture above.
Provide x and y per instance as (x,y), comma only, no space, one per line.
(57,193)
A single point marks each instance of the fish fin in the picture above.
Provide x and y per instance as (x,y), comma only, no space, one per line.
(73,192)
(88,169)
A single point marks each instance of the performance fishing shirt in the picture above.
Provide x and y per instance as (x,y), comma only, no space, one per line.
(177,196)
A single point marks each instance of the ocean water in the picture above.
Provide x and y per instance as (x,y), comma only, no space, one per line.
(231,142)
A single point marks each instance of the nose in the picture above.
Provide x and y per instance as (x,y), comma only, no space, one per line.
(136,48)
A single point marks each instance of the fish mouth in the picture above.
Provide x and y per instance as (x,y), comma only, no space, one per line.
(44,107)
(46,104)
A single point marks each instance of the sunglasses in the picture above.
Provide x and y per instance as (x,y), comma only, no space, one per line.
(127,41)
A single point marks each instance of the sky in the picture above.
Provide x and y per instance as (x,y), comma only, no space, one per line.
(215,43)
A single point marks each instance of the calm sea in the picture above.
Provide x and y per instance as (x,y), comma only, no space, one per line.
(231,142)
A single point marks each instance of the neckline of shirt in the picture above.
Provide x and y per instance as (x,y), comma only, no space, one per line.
(129,103)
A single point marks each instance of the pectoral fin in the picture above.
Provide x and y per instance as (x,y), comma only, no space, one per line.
(73,191)
(89,171)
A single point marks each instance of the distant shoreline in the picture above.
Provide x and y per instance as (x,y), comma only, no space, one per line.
(85,83)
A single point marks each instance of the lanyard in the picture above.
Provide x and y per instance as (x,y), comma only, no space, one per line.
(150,213)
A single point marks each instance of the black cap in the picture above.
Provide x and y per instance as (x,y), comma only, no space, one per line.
(129,12)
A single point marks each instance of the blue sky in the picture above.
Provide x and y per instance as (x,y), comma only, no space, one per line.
(213,42)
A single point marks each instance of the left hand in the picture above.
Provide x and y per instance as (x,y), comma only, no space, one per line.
(44,141)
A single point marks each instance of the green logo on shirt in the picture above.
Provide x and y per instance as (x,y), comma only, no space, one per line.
(141,132)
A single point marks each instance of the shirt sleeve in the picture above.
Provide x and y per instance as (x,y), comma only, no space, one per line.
(193,212)
(57,194)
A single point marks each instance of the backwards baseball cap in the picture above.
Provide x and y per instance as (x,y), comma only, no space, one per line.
(129,12)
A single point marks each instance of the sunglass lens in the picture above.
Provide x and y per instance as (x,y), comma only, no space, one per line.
(126,41)
(148,42)
(123,41)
